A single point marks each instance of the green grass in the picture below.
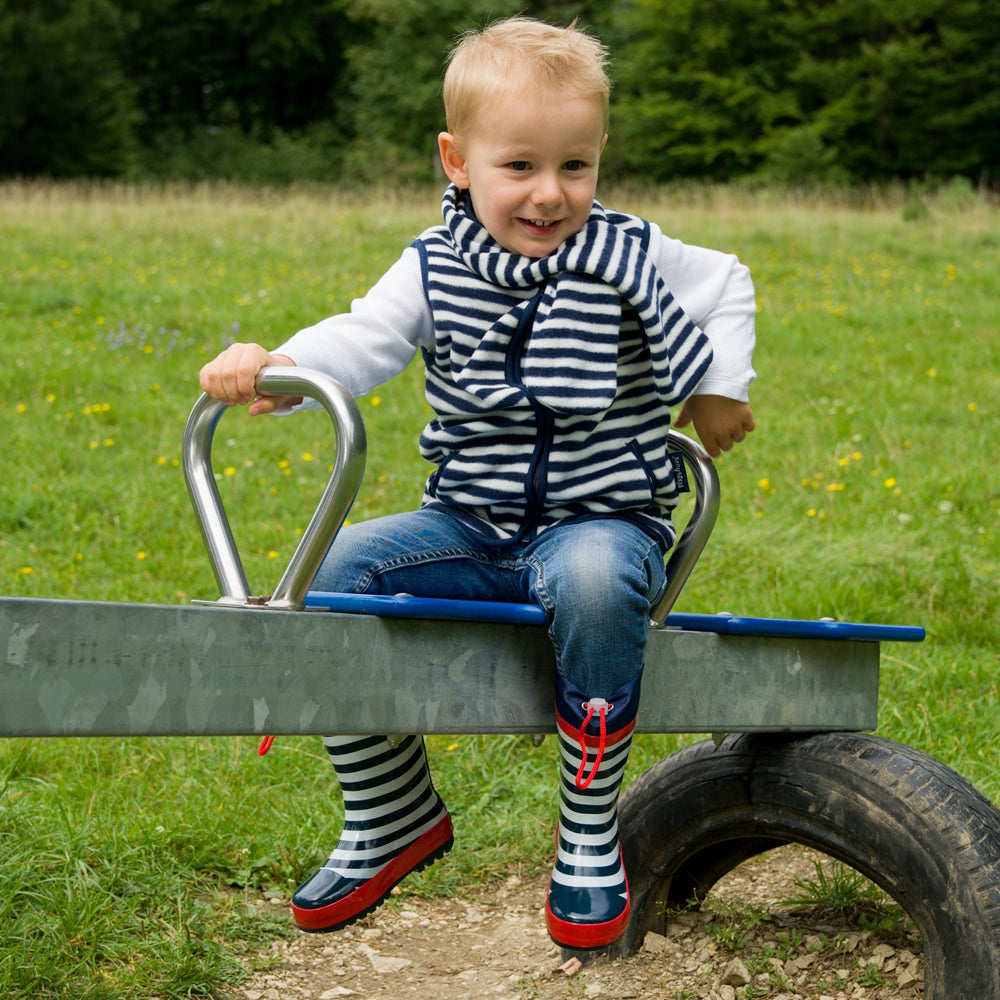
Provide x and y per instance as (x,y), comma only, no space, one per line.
(133,868)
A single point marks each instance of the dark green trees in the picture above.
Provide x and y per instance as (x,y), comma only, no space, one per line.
(344,90)
(66,105)
(825,89)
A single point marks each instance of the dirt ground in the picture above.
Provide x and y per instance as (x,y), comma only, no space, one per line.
(744,944)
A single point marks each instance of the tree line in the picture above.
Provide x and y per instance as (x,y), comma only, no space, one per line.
(348,91)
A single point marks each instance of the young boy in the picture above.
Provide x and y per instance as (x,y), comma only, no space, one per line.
(554,349)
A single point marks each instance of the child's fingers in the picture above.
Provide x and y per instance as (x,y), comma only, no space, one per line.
(232,376)
(268,404)
(241,370)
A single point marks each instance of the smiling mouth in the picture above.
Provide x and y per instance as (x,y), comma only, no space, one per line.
(540,223)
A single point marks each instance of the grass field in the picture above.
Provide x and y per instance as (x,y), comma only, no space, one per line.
(869,492)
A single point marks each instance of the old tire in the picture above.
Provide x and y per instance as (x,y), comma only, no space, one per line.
(906,821)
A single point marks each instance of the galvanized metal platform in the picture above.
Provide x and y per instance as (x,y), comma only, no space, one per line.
(81,668)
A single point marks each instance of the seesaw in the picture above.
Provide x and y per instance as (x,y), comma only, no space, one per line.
(791,706)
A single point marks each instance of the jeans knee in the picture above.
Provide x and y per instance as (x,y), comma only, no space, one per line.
(606,592)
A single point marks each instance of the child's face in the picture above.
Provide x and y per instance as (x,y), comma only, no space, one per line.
(530,161)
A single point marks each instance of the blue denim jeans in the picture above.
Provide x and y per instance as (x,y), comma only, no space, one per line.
(596,580)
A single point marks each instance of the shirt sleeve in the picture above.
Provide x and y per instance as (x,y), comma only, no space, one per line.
(377,338)
(716,291)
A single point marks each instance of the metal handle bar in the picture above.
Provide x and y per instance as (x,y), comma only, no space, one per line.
(333,506)
(695,535)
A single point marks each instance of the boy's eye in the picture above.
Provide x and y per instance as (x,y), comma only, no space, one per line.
(573,165)
(519,165)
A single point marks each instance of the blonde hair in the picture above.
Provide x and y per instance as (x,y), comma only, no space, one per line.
(516,52)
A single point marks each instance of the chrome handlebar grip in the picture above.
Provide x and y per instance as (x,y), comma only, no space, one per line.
(333,506)
(685,553)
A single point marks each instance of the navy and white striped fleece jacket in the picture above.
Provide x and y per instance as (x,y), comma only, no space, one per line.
(517,468)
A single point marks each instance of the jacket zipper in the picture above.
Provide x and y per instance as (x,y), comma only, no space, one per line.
(544,423)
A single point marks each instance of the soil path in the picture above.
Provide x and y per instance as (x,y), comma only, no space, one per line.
(493,946)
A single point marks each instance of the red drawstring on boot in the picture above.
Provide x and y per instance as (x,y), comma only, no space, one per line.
(265,745)
(601,705)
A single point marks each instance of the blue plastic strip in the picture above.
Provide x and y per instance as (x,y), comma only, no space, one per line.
(795,629)
(405,606)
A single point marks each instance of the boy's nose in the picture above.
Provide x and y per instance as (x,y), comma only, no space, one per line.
(547,191)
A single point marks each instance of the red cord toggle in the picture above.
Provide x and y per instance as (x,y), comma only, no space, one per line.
(265,745)
(601,705)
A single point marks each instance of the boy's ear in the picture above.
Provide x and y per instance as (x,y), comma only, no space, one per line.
(452,160)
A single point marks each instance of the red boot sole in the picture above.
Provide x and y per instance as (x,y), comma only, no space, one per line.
(426,849)
(585,936)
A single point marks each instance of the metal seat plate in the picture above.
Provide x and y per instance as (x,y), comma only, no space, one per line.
(82,668)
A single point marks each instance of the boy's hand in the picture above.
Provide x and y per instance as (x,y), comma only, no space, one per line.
(232,378)
(718,421)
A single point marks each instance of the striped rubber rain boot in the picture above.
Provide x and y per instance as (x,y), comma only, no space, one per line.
(394,824)
(588,903)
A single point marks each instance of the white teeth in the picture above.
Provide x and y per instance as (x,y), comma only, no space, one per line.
(541,222)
